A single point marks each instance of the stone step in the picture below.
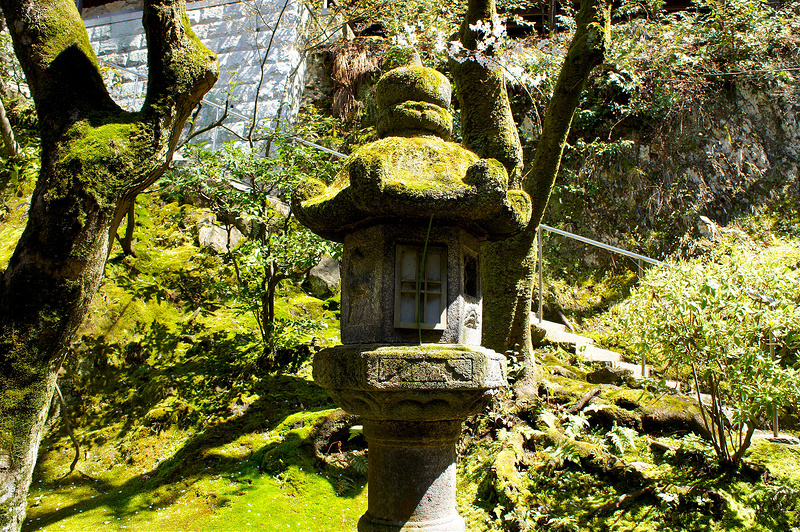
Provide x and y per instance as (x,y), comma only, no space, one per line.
(584,346)
(558,334)
(547,325)
(598,354)
(784,438)
(636,369)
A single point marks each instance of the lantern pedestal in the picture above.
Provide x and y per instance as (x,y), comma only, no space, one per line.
(412,400)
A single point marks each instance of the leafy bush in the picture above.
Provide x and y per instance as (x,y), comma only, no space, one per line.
(731,325)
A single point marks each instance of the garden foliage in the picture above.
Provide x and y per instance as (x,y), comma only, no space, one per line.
(730,326)
(250,192)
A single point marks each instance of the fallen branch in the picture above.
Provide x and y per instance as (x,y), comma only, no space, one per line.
(591,394)
(616,503)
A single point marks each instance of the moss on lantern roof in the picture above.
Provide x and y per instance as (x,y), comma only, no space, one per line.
(412,178)
(414,172)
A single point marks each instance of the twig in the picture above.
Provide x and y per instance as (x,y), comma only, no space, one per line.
(212,125)
(615,504)
(709,428)
(262,73)
(577,407)
(68,426)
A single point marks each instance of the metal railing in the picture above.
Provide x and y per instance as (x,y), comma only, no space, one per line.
(640,259)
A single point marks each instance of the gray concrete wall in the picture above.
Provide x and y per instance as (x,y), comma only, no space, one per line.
(244,33)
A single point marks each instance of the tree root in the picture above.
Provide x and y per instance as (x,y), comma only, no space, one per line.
(593,457)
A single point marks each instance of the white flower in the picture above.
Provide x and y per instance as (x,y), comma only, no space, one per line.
(440,46)
(400,41)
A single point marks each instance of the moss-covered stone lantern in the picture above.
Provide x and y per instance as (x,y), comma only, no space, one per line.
(412,210)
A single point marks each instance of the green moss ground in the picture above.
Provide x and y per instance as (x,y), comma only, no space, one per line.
(202,484)
(511,478)
(173,413)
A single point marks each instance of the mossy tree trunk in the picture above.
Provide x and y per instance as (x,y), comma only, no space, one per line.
(490,131)
(95,158)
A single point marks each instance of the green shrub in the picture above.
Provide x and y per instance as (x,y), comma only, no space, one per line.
(250,191)
(731,325)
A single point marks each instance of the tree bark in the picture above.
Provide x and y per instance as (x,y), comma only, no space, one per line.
(126,242)
(95,158)
(509,266)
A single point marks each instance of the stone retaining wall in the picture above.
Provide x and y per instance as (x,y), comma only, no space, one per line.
(241,32)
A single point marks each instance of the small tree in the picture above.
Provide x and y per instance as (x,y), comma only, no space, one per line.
(248,190)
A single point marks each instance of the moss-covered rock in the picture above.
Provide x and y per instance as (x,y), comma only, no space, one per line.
(414,83)
(419,117)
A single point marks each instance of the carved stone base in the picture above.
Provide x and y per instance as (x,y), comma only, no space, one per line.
(413,400)
(415,382)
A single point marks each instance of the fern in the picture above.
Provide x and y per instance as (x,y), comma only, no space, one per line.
(355,431)
(576,425)
(360,464)
(568,451)
(344,484)
(621,438)
(566,523)
(549,418)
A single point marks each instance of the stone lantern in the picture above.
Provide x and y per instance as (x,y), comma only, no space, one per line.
(412,210)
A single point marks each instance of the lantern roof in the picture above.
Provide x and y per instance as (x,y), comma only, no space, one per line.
(414,172)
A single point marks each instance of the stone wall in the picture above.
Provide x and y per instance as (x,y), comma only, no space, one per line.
(262,70)
(734,154)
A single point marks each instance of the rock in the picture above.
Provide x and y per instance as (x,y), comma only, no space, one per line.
(324,278)
(218,238)
(609,375)
(538,335)
(281,208)
(562,372)
(197,218)
(707,228)
(784,439)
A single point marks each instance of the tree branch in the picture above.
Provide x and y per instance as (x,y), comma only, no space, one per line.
(487,124)
(62,73)
(592,39)
(616,503)
(181,69)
